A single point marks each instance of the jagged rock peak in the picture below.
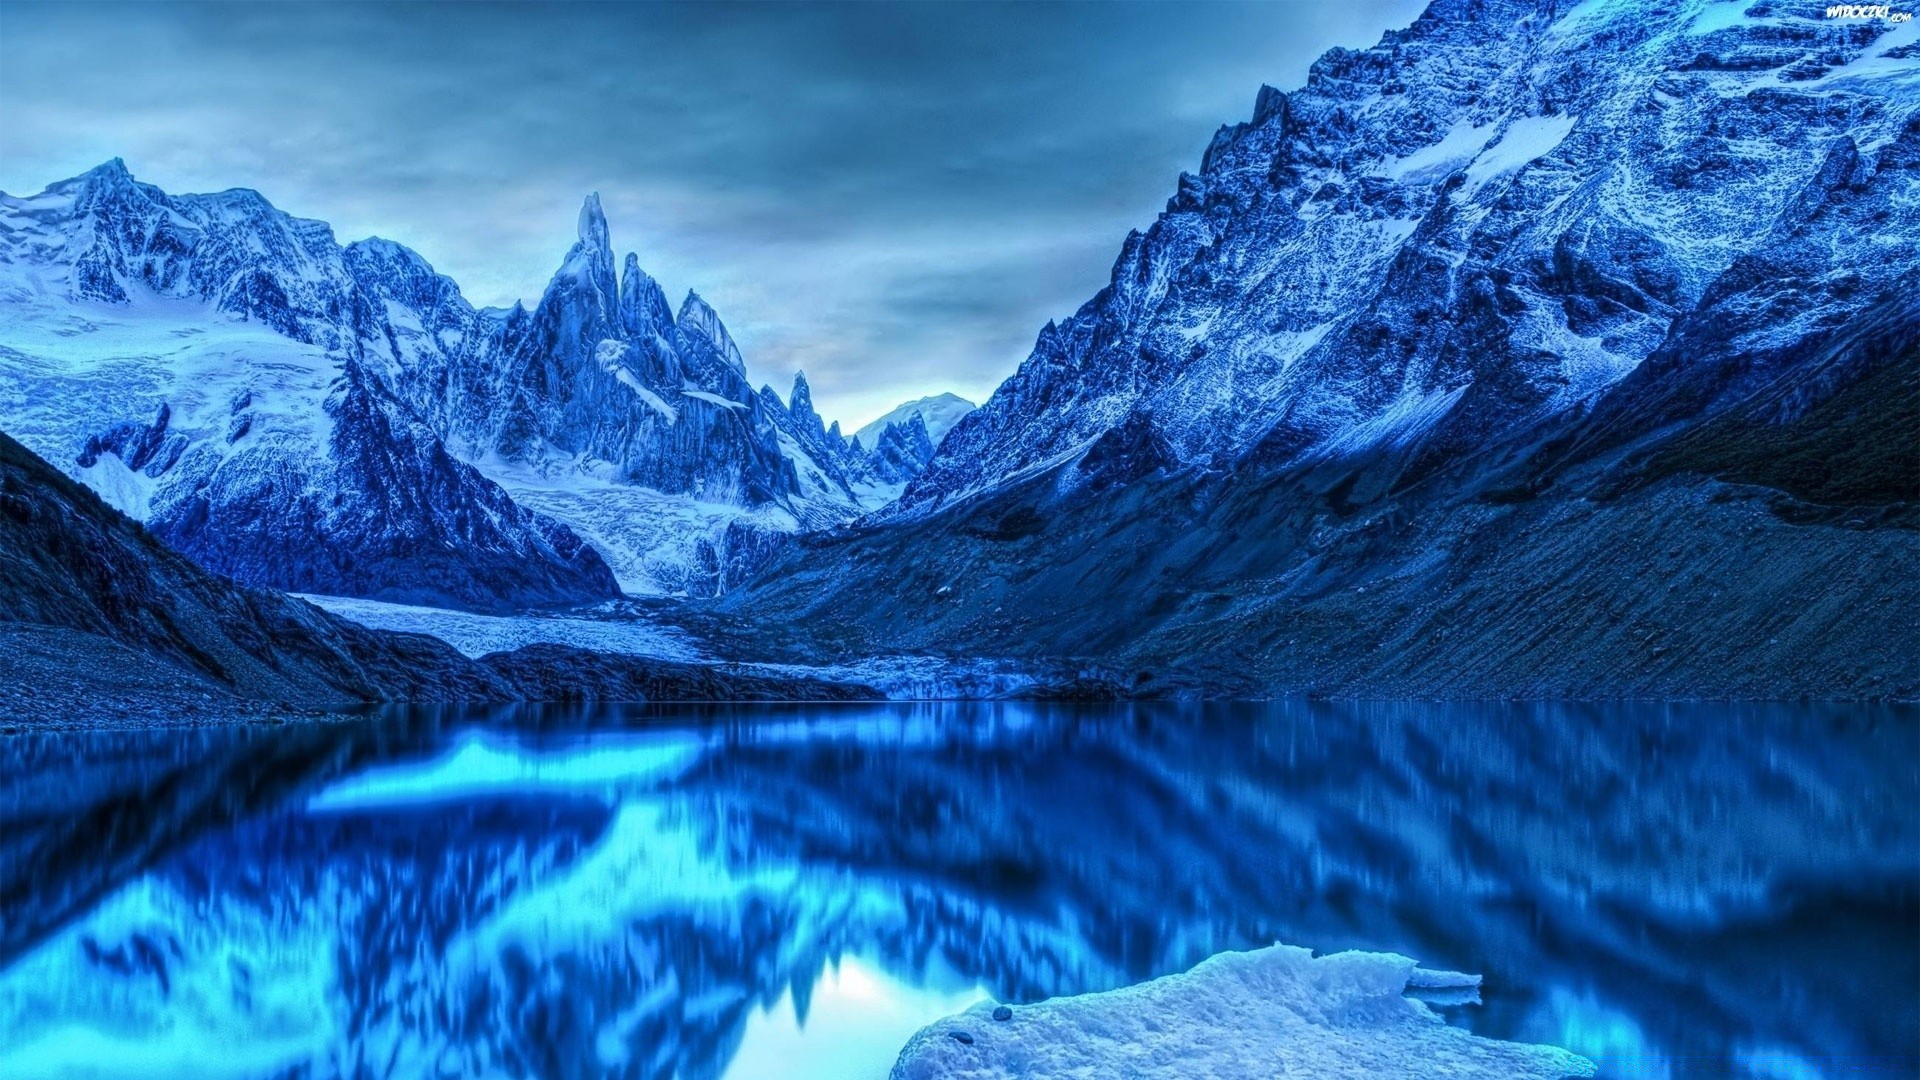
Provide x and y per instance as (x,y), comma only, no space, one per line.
(901,451)
(589,263)
(698,317)
(801,402)
(1268,102)
(643,305)
(108,183)
(111,171)
(939,412)
(593,223)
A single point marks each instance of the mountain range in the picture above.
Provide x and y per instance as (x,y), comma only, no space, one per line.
(1540,349)
(337,419)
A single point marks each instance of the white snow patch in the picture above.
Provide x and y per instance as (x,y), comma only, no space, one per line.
(125,490)
(1288,346)
(1719,16)
(1408,417)
(1874,64)
(478,635)
(1396,230)
(1430,163)
(1278,1011)
(609,352)
(693,391)
(658,403)
(1586,362)
(1525,141)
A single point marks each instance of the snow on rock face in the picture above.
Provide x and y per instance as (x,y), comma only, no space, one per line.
(195,360)
(902,451)
(1503,208)
(1278,1011)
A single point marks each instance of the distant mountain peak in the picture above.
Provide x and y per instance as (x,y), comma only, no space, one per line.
(112,169)
(938,412)
(593,223)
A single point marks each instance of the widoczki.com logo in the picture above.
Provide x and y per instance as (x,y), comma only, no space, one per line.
(1867,11)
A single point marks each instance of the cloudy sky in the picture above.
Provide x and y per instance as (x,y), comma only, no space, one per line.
(894,197)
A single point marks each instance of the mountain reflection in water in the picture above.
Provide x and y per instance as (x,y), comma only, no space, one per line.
(652,892)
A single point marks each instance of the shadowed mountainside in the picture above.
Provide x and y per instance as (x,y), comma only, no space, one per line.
(102,623)
(1541,350)
(89,590)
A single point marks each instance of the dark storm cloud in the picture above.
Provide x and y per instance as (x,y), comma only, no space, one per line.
(894,197)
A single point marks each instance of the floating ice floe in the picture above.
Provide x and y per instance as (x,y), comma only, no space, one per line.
(1278,1011)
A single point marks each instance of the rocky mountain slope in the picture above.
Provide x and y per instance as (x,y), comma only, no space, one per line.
(1540,349)
(100,618)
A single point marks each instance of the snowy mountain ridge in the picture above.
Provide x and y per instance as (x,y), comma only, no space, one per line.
(939,411)
(1485,221)
(337,419)
(193,359)
(1541,349)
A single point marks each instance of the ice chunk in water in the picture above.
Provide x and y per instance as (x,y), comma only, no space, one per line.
(1278,1011)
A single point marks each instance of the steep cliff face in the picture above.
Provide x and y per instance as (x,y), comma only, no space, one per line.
(1461,369)
(598,372)
(199,361)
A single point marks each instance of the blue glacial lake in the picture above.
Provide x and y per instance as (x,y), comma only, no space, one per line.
(1686,890)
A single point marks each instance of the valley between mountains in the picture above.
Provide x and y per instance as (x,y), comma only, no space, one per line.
(1540,350)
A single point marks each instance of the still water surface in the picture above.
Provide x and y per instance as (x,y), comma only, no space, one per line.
(791,891)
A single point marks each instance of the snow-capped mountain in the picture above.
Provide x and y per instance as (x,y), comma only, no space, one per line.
(604,409)
(877,461)
(341,420)
(940,412)
(894,449)
(902,451)
(1485,221)
(1531,299)
(197,360)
